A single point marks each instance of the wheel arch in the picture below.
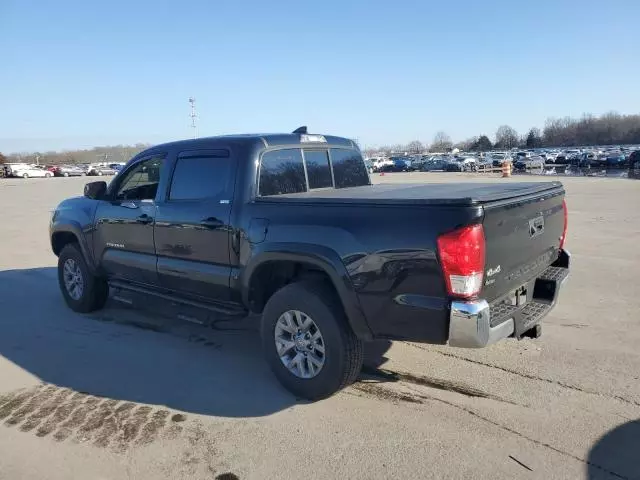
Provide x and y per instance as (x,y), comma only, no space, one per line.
(64,234)
(292,262)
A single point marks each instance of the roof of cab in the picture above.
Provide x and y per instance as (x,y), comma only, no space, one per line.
(266,140)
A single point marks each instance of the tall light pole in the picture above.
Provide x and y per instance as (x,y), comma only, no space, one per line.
(193,116)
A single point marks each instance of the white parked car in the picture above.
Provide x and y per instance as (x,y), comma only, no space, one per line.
(379,163)
(29,171)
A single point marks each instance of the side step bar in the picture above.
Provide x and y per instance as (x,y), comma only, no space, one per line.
(219,309)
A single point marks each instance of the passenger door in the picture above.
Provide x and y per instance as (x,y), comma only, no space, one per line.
(123,240)
(192,229)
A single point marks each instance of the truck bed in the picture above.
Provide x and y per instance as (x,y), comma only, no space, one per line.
(464,194)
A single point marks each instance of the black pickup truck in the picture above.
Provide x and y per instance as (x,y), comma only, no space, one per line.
(289,226)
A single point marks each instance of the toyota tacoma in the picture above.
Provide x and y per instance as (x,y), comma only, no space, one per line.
(289,229)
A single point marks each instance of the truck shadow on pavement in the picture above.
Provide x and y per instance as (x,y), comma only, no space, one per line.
(163,362)
(616,453)
(136,356)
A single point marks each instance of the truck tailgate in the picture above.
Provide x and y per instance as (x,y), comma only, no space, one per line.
(522,239)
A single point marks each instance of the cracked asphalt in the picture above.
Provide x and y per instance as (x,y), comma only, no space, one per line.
(124,393)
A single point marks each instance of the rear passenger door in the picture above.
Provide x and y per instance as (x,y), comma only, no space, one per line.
(192,225)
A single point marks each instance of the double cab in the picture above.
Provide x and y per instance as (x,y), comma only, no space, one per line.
(288,229)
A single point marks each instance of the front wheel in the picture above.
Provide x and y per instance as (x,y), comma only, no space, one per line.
(66,174)
(308,342)
(82,291)
(47,175)
(25,175)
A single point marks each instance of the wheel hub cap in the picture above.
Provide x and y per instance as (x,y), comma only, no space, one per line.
(299,344)
(73,281)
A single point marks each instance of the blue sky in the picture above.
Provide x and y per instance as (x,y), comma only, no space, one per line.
(81,74)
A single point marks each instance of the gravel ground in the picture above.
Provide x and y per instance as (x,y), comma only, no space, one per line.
(130,394)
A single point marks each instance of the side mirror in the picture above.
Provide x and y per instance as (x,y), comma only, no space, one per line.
(95,190)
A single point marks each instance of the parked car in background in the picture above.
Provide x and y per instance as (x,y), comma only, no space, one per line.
(434,164)
(586,159)
(417,161)
(397,165)
(453,165)
(550,156)
(634,164)
(69,171)
(534,162)
(615,159)
(380,163)
(100,170)
(32,171)
(498,158)
(11,168)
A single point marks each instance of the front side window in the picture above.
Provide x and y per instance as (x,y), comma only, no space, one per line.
(200,177)
(318,168)
(348,168)
(141,181)
(282,172)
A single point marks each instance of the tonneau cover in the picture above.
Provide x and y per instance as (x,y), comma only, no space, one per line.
(422,193)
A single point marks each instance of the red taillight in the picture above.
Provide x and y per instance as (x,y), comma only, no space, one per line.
(566,222)
(462,257)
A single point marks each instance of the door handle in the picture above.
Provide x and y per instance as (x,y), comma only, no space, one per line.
(144,218)
(211,223)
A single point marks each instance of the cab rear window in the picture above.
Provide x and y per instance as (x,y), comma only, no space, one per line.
(282,172)
(296,170)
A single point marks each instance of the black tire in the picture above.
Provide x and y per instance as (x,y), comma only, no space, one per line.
(343,350)
(25,175)
(96,289)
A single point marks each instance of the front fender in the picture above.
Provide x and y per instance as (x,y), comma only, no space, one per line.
(322,257)
(73,227)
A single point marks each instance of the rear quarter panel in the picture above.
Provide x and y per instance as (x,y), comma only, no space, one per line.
(389,253)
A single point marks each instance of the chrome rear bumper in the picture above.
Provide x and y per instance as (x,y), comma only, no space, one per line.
(470,324)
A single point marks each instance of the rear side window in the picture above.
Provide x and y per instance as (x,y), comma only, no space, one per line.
(348,168)
(199,176)
(282,172)
(318,168)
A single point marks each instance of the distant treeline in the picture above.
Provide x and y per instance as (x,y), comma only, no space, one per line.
(608,129)
(115,154)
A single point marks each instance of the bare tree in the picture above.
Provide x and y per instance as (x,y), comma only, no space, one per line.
(441,142)
(415,147)
(466,145)
(506,137)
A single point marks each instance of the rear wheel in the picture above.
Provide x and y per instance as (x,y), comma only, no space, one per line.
(47,175)
(25,175)
(308,342)
(66,174)
(82,291)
